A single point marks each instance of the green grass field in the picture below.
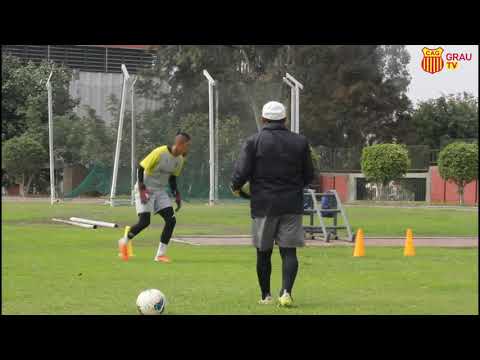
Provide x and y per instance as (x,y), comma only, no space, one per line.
(49,268)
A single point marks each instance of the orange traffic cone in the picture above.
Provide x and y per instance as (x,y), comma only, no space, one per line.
(409,249)
(359,244)
(130,248)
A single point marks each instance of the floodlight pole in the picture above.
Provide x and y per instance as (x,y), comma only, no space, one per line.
(295,86)
(292,103)
(211,85)
(134,160)
(50,140)
(217,163)
(119,135)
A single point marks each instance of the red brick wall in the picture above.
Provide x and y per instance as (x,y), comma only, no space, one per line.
(13,190)
(442,191)
(335,182)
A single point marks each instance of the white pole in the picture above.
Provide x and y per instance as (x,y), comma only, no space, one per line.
(216,143)
(134,160)
(292,103)
(211,84)
(292,109)
(119,136)
(88,226)
(94,222)
(212,145)
(297,110)
(50,141)
(298,87)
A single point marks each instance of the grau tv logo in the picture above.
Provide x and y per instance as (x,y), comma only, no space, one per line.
(433,62)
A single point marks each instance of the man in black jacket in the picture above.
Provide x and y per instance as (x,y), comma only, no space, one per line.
(278,165)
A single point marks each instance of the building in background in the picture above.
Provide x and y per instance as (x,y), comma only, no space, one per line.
(97,73)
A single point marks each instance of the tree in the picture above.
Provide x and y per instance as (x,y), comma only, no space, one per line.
(99,140)
(445,119)
(383,163)
(24,96)
(458,163)
(23,157)
(354,94)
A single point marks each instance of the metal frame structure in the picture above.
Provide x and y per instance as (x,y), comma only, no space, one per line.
(213,137)
(134,157)
(126,76)
(324,229)
(50,139)
(295,87)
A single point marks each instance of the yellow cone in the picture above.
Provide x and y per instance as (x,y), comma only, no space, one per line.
(130,248)
(130,243)
(359,244)
(409,249)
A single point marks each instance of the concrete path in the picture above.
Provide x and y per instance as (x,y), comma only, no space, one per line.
(418,241)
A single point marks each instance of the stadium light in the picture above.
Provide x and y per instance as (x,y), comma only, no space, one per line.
(133,160)
(295,87)
(119,135)
(211,132)
(50,140)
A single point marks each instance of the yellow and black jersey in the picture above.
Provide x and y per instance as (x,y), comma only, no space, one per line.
(159,165)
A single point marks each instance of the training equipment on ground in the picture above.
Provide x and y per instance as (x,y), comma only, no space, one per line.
(359,249)
(94,222)
(313,206)
(409,249)
(86,226)
(151,302)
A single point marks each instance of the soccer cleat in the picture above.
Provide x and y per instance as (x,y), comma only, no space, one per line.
(122,246)
(162,258)
(267,301)
(285,300)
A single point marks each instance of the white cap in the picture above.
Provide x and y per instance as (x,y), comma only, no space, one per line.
(274,110)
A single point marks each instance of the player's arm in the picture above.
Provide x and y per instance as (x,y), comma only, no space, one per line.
(172,181)
(243,167)
(141,185)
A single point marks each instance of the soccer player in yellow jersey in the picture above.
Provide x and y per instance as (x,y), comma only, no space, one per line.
(157,171)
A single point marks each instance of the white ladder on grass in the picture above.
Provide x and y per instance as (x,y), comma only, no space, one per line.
(323,229)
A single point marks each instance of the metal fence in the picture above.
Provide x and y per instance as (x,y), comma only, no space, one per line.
(85,58)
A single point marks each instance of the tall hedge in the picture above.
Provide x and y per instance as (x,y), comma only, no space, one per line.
(383,163)
(458,163)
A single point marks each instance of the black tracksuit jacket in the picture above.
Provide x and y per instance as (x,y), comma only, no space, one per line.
(278,165)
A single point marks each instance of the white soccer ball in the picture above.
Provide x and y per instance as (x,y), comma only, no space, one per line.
(151,302)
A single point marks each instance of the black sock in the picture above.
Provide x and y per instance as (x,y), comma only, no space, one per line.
(289,268)
(264,270)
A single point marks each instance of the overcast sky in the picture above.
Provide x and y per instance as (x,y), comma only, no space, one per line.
(426,86)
